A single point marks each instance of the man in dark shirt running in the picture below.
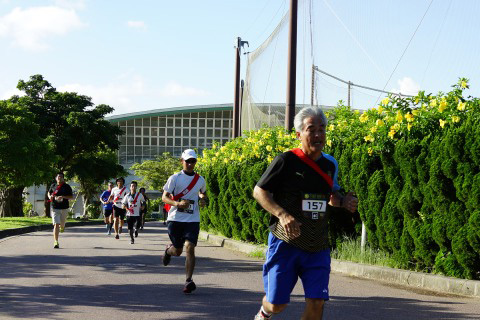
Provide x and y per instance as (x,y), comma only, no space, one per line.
(295,190)
(59,194)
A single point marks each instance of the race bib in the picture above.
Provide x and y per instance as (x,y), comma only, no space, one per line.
(188,210)
(314,203)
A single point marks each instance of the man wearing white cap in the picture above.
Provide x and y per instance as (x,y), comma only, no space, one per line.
(184,192)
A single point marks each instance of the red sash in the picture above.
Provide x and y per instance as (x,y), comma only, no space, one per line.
(119,194)
(184,192)
(56,191)
(299,153)
(133,203)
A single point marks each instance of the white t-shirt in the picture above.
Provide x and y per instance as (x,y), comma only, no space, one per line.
(133,209)
(118,194)
(176,184)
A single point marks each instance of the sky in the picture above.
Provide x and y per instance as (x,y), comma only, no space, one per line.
(150,54)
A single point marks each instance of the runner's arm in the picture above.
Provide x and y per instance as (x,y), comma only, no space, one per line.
(348,201)
(167,198)
(265,199)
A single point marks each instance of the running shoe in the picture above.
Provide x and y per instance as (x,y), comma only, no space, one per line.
(136,233)
(117,236)
(260,316)
(189,287)
(166,257)
(55,245)
(132,241)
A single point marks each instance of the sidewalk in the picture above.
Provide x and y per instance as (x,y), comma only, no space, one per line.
(413,279)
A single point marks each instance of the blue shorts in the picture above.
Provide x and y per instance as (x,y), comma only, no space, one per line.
(285,263)
(179,232)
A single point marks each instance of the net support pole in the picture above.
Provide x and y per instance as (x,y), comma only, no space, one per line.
(312,89)
(292,66)
(236,101)
(349,92)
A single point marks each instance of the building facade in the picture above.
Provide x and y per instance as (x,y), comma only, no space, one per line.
(151,133)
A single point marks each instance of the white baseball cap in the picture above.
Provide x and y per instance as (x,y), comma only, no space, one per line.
(189,154)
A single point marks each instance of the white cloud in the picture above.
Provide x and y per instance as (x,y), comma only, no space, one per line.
(174,89)
(408,86)
(70,4)
(137,25)
(30,28)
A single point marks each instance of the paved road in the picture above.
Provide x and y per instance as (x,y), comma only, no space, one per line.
(94,276)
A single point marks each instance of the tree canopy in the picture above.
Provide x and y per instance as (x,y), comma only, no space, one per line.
(156,172)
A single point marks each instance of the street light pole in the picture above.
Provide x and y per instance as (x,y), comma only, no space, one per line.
(236,102)
(292,66)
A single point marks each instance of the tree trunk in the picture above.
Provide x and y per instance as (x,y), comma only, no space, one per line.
(11,202)
(85,204)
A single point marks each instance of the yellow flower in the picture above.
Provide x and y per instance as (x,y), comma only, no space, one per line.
(225,160)
(380,109)
(442,106)
(380,123)
(391,134)
(369,138)
(433,103)
(385,101)
(399,116)
(461,106)
(409,126)
(417,99)
(415,112)
(331,127)
(214,159)
(356,112)
(455,119)
(269,148)
(442,123)
(329,142)
(409,117)
(370,151)
(373,129)
(463,84)
(363,118)
(395,127)
(269,159)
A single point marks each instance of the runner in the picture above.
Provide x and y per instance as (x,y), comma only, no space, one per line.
(118,211)
(295,190)
(132,203)
(59,194)
(184,192)
(107,208)
(143,212)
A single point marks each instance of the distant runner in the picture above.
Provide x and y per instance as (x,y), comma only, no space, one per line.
(132,203)
(118,193)
(107,208)
(143,212)
(59,194)
(184,192)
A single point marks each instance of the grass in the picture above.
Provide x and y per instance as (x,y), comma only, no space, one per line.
(258,254)
(350,250)
(19,222)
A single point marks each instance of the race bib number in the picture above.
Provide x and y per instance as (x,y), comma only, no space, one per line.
(188,210)
(314,203)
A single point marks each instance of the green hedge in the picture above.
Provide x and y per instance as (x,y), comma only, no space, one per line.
(414,164)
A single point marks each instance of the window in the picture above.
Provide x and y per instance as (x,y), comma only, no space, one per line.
(130,141)
(186,143)
(170,122)
(123,151)
(193,132)
(154,141)
(178,123)
(138,131)
(210,114)
(226,133)
(146,141)
(210,123)
(178,142)
(161,141)
(218,123)
(138,122)
(178,132)
(185,132)
(130,151)
(130,131)
(130,123)
(201,123)
(138,151)
(202,115)
(170,142)
(146,122)
(154,121)
(138,141)
(146,132)
(194,123)
(218,114)
(186,122)
(226,124)
(123,159)
(162,122)
(218,133)
(161,132)
(194,115)
(124,129)
(209,133)
(193,142)
(138,159)
(170,132)
(201,132)
(154,132)
(122,123)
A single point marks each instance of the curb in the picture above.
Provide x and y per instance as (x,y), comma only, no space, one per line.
(43,227)
(418,280)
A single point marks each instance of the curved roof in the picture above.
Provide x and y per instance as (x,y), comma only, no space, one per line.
(167,111)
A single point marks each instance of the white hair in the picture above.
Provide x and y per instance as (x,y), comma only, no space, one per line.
(308,112)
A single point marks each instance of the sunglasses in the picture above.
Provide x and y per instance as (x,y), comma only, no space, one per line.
(191,161)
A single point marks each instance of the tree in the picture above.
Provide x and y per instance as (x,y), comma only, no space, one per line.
(92,171)
(155,173)
(70,122)
(24,156)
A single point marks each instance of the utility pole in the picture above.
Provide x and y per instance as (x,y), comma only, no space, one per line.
(349,89)
(292,66)
(236,102)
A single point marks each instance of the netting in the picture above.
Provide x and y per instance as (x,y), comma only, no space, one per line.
(399,47)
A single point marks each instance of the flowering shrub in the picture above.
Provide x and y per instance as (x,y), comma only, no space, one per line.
(414,164)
